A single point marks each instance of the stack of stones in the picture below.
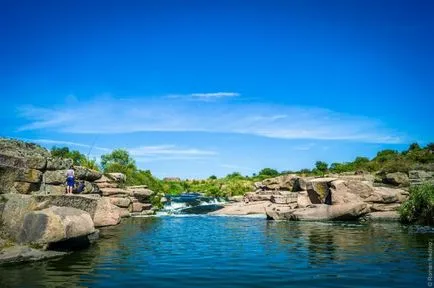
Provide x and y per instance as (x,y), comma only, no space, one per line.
(298,198)
(27,168)
(130,200)
(280,190)
(418,177)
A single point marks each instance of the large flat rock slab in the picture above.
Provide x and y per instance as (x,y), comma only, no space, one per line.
(380,216)
(257,207)
(102,211)
(323,212)
(86,203)
(20,254)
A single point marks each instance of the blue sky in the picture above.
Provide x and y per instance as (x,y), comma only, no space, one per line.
(194,88)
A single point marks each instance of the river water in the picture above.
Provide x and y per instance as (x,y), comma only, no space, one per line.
(215,251)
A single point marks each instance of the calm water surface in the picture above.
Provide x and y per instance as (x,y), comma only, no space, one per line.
(207,251)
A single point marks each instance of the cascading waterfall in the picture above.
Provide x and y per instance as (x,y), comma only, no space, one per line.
(191,203)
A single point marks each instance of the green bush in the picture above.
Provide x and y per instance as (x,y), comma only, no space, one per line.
(237,187)
(174,188)
(396,165)
(269,172)
(64,152)
(90,163)
(419,208)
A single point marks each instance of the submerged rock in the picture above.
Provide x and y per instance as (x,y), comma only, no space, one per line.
(383,216)
(19,254)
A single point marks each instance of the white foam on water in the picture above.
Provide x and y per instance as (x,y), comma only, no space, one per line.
(175,207)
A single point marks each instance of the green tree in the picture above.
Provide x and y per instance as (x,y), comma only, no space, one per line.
(91,164)
(321,167)
(341,167)
(64,152)
(212,177)
(144,177)
(235,175)
(119,157)
(268,172)
(414,147)
(386,155)
(119,160)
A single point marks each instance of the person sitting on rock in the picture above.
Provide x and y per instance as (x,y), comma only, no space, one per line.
(80,187)
(70,181)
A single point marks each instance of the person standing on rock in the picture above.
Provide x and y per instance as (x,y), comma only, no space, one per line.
(70,181)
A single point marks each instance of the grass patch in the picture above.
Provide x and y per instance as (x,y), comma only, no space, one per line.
(419,208)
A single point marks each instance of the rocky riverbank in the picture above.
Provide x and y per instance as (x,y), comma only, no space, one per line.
(345,197)
(35,214)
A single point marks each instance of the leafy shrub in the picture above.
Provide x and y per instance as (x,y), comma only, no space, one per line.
(90,163)
(419,208)
(234,175)
(269,172)
(321,167)
(237,187)
(64,152)
(396,165)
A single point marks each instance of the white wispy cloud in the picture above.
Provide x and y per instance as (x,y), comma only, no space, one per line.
(66,143)
(168,150)
(304,147)
(214,95)
(141,153)
(113,116)
(204,96)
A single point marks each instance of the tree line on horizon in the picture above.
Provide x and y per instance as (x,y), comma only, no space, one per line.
(119,160)
(418,209)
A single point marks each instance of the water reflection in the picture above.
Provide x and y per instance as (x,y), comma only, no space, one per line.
(71,269)
(230,251)
(338,242)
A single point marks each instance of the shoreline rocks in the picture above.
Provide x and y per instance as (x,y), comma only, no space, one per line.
(337,198)
(55,224)
(22,254)
(34,209)
(240,208)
